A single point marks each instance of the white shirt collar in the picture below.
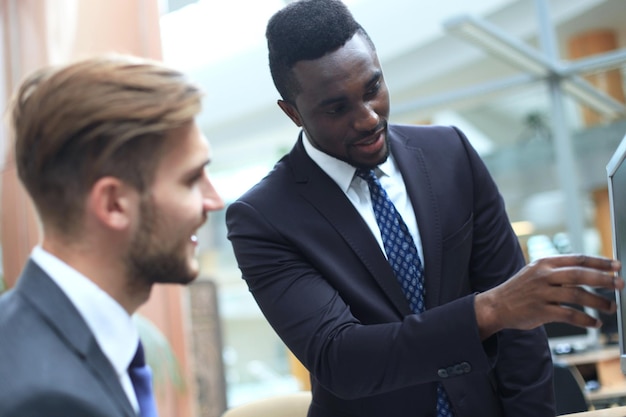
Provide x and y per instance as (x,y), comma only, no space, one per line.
(341,172)
(111,325)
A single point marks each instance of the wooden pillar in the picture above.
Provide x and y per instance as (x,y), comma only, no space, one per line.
(603,220)
(299,372)
(583,45)
(592,43)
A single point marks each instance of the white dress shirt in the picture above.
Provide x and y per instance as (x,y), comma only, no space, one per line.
(111,325)
(357,191)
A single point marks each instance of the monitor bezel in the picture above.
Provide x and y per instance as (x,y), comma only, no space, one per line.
(617,161)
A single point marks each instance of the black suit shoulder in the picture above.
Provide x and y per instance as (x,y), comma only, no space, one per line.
(430,137)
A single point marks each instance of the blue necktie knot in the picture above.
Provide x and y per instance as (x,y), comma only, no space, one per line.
(367,174)
(139,359)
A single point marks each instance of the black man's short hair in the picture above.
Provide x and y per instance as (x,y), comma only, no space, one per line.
(306,30)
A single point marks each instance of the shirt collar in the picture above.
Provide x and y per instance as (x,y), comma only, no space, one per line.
(341,172)
(110,324)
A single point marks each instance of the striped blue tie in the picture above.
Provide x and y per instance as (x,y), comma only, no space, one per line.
(404,259)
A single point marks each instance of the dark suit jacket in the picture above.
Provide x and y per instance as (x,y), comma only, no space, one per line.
(326,288)
(50,362)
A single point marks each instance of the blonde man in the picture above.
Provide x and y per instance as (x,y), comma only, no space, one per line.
(114,162)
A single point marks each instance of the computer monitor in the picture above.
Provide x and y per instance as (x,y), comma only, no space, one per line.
(616,174)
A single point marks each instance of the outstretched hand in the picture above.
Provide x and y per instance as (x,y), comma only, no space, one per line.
(536,294)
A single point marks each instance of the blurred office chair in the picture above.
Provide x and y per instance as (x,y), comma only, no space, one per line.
(286,405)
(569,390)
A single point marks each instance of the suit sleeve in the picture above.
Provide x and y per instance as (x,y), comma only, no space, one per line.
(290,282)
(524,366)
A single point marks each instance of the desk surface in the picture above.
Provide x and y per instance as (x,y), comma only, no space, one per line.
(607,393)
(607,412)
(590,356)
(607,361)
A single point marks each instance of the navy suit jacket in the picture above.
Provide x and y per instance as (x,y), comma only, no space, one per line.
(323,283)
(50,362)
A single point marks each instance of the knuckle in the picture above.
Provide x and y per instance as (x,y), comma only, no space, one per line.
(540,267)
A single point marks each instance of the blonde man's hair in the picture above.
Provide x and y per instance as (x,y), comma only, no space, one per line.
(103,116)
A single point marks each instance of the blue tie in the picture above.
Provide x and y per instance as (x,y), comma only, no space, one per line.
(404,259)
(141,377)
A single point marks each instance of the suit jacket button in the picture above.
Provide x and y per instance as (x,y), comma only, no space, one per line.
(466,368)
(442,373)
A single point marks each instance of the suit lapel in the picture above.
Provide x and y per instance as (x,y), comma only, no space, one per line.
(324,194)
(415,173)
(60,314)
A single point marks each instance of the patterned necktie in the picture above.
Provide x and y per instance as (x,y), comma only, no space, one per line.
(141,377)
(404,259)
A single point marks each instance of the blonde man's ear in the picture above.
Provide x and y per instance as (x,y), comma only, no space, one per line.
(112,203)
